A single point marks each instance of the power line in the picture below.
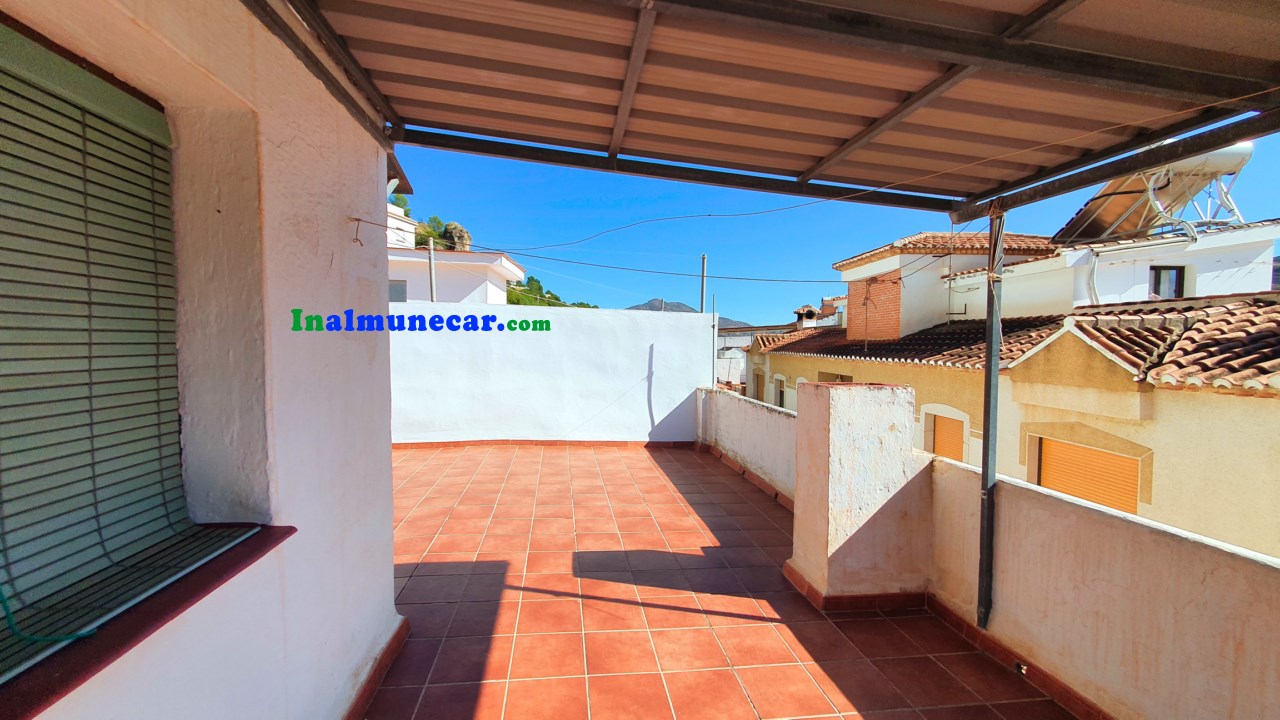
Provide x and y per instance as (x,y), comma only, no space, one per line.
(1013,153)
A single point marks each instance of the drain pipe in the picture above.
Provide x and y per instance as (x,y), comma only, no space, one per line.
(991,380)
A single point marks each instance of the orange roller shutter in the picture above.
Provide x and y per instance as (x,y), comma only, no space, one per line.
(1094,475)
(948,438)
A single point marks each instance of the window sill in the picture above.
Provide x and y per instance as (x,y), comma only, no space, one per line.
(57,676)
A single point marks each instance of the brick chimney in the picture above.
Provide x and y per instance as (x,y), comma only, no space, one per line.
(874,309)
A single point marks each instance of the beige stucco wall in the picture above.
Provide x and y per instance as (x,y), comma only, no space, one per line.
(281,427)
(1213,457)
(1145,620)
(1208,459)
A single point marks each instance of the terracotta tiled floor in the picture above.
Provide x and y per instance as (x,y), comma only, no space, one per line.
(572,582)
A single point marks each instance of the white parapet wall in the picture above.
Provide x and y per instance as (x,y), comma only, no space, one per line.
(605,375)
(758,436)
(1145,620)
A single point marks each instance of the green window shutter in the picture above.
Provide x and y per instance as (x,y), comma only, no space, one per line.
(93,516)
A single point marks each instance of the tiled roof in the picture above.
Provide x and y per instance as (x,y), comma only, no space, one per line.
(768,342)
(1235,349)
(983,269)
(1224,341)
(961,343)
(973,243)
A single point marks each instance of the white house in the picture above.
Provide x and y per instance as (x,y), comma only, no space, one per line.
(466,277)
(1217,261)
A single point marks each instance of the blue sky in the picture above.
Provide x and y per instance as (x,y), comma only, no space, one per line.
(511,204)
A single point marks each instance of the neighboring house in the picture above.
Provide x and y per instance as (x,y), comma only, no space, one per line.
(1214,261)
(465,277)
(1163,409)
(733,343)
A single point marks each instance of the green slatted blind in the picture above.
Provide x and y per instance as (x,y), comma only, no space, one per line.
(92,511)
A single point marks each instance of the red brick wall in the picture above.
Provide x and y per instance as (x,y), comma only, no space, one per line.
(874,311)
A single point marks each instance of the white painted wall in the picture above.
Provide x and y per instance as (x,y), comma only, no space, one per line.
(462,277)
(1220,263)
(757,435)
(597,375)
(731,365)
(400,229)
(278,426)
(1146,620)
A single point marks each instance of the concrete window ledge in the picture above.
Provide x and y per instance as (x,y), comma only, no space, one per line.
(35,690)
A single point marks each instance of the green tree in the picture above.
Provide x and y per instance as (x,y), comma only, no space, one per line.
(532,292)
(401,202)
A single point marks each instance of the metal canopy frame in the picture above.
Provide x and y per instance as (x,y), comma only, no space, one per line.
(1216,91)
(1218,94)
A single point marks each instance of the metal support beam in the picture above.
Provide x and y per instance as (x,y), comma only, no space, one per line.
(337,50)
(553,156)
(990,403)
(967,47)
(889,120)
(1046,13)
(278,26)
(639,46)
(1250,128)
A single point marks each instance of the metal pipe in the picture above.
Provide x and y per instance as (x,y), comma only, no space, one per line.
(431,262)
(702,302)
(990,402)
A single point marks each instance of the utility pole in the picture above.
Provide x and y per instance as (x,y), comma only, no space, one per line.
(715,336)
(702,303)
(431,261)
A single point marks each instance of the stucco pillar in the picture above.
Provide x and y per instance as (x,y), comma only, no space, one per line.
(862,506)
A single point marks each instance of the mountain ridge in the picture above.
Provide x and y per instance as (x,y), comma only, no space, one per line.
(660,305)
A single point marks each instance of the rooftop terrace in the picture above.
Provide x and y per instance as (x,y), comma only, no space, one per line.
(623,582)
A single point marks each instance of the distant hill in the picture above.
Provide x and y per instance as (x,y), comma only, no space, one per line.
(659,305)
(1275,273)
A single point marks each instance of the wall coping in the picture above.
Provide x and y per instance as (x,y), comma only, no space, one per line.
(753,401)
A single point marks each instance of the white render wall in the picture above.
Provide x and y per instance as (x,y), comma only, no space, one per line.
(277,427)
(1222,263)
(609,375)
(759,436)
(458,282)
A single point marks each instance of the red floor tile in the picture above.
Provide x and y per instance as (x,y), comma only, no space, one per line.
(692,649)
(670,564)
(413,665)
(878,638)
(472,659)
(550,616)
(428,620)
(620,652)
(544,656)
(674,612)
(605,615)
(987,678)
(925,683)
(818,641)
(857,686)
(393,703)
(754,645)
(628,697)
(467,701)
(708,695)
(553,699)
(783,691)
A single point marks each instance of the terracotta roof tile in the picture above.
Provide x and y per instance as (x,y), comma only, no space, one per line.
(1235,349)
(961,343)
(770,341)
(973,243)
